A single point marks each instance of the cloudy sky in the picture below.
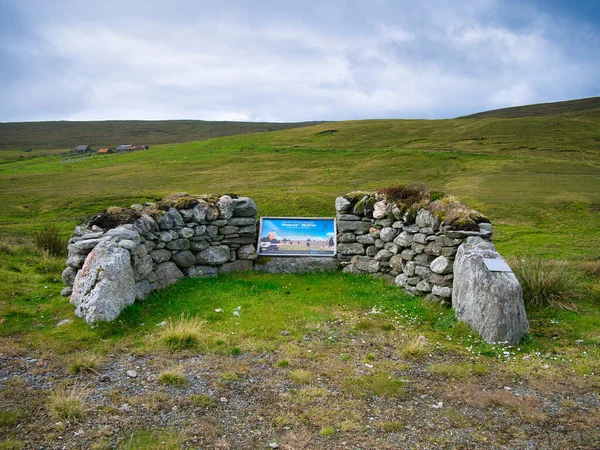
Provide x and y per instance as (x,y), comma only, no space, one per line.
(267,60)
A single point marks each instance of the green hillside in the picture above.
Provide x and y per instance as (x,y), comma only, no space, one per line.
(537,178)
(65,135)
(585,107)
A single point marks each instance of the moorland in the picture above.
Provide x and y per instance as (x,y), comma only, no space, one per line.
(313,361)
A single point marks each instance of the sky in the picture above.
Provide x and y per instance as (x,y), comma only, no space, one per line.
(288,61)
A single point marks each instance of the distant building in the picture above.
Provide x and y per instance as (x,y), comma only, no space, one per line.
(105,151)
(124,148)
(82,149)
(139,147)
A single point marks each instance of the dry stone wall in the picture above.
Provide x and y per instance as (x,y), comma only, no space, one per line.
(107,268)
(416,252)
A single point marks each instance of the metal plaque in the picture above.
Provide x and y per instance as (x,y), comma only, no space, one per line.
(496,265)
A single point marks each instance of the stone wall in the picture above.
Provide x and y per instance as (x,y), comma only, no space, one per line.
(200,241)
(415,251)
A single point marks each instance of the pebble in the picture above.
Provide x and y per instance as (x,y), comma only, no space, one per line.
(131,373)
(438,405)
(370,366)
(64,322)
(218,310)
(125,407)
(274,445)
(223,400)
(236,313)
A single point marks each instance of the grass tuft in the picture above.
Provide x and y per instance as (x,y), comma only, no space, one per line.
(173,378)
(68,404)
(380,385)
(301,376)
(203,401)
(414,348)
(547,283)
(47,239)
(84,362)
(183,333)
(327,431)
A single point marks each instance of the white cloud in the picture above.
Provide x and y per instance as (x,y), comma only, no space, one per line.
(429,60)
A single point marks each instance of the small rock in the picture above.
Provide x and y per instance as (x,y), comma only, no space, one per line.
(64,322)
(438,405)
(162,324)
(125,407)
(104,378)
(370,366)
(218,310)
(131,373)
(236,313)
(223,400)
(274,445)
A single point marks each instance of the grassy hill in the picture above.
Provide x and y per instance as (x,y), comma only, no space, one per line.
(65,135)
(585,107)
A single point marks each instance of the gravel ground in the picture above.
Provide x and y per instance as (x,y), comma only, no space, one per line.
(258,403)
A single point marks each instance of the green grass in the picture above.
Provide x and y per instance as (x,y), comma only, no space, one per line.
(154,440)
(173,378)
(380,384)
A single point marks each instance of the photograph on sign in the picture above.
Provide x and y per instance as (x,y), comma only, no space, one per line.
(297,236)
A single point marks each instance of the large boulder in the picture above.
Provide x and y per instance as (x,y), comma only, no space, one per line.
(105,284)
(490,302)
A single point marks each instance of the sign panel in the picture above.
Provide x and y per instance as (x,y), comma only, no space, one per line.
(496,265)
(297,236)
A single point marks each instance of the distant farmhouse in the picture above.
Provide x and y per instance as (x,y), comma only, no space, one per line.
(124,148)
(140,147)
(82,149)
(104,151)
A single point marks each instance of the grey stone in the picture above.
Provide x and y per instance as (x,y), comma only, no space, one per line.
(365,239)
(424,259)
(383,223)
(490,302)
(346,237)
(342,205)
(413,281)
(160,255)
(418,248)
(219,222)
(397,213)
(379,210)
(160,245)
(408,254)
(212,231)
(68,276)
(104,286)
(142,290)
(225,205)
(365,264)
(165,236)
(76,260)
(423,286)
(211,212)
(449,251)
(352,269)
(244,207)
(441,265)
(187,215)
(400,280)
(236,266)
(186,232)
(485,227)
(347,217)
(146,224)
(198,246)
(170,219)
(379,243)
(409,268)
(398,225)
(122,232)
(351,249)
(179,244)
(359,227)
(242,221)
(198,213)
(397,263)
(297,265)
(427,230)
(422,271)
(83,246)
(199,230)
(67,291)
(404,239)
(424,219)
(127,244)
(457,234)
(247,252)
(371,250)
(200,271)
(388,234)
(243,240)
(441,291)
(167,273)
(152,278)
(184,258)
(375,232)
(440,280)
(142,266)
(228,229)
(248,230)
(420,238)
(433,248)
(214,255)
(383,255)
(412,228)
(391,247)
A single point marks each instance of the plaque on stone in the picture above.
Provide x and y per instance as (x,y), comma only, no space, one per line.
(496,265)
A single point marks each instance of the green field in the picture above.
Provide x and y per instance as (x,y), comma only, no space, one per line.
(321,343)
